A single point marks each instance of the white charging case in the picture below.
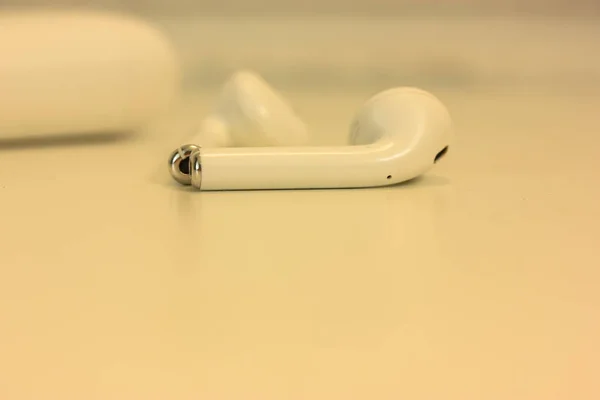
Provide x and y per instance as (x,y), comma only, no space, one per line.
(76,72)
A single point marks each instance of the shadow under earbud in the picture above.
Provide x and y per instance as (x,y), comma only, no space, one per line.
(64,140)
(423,181)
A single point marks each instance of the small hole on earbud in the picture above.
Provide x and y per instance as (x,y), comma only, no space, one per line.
(184,166)
(389,177)
(441,154)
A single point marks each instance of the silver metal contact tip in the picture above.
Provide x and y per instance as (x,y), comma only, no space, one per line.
(180,166)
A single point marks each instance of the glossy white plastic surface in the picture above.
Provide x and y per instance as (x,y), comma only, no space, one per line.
(396,136)
(75,72)
(249,112)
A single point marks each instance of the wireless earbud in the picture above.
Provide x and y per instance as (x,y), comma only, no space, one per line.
(249,113)
(397,135)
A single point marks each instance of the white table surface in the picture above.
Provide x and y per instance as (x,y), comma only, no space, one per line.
(478,281)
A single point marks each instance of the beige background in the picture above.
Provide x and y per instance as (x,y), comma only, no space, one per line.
(478,281)
(363,7)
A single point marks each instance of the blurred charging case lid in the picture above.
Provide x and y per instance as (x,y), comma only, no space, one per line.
(77,72)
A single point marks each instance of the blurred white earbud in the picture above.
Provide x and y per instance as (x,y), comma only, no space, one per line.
(249,113)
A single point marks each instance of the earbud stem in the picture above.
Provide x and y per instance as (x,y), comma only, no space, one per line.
(296,167)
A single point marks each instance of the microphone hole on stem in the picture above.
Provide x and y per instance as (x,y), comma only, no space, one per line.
(389,177)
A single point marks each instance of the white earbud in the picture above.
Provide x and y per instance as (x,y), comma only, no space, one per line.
(397,135)
(249,113)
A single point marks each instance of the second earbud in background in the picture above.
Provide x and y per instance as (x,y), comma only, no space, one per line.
(250,113)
